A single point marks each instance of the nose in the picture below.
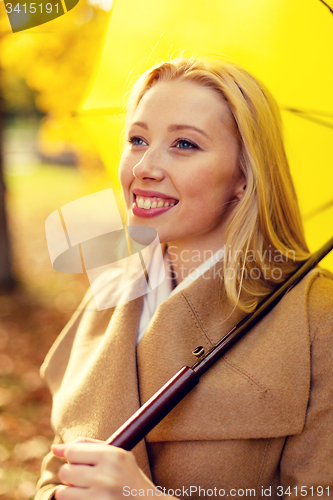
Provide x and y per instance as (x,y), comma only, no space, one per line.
(149,167)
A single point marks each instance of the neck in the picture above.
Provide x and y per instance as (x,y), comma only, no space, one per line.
(185,258)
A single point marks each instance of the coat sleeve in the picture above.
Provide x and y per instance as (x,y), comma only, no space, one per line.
(307,461)
(49,480)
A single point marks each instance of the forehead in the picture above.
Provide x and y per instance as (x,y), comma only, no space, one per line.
(183,100)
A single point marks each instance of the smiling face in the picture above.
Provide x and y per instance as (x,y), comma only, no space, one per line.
(179,171)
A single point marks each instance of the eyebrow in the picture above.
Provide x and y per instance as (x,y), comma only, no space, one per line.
(173,128)
(140,124)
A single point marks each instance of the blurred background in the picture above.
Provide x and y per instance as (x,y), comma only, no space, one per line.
(46,161)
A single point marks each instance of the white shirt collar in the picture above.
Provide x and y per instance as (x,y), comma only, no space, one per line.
(199,271)
(155,297)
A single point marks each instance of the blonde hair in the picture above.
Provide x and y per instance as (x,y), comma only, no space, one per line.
(266,222)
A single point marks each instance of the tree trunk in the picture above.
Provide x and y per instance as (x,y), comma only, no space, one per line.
(7,280)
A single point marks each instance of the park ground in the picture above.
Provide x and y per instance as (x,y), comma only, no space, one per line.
(31,317)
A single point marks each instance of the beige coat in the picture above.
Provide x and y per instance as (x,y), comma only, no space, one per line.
(260,418)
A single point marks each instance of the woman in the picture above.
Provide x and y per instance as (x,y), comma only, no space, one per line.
(204,166)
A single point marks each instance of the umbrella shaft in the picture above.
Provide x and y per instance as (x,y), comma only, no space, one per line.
(164,400)
(154,410)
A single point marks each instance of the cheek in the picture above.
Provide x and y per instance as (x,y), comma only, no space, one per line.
(210,196)
(206,185)
(193,183)
(125,174)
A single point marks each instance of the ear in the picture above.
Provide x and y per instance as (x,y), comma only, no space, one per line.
(240,188)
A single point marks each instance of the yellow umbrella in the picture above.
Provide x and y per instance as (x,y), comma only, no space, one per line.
(287,44)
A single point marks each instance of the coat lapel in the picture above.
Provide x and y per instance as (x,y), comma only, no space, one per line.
(258,390)
(99,390)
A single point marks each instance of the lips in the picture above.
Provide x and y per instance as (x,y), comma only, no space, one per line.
(151,203)
(152,194)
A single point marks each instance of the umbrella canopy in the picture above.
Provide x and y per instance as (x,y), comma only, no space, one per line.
(287,44)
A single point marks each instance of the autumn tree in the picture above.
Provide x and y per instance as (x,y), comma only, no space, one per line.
(48,68)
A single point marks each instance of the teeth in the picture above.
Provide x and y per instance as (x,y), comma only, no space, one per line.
(147,203)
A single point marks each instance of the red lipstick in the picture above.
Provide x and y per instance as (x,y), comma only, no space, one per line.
(152,194)
(151,212)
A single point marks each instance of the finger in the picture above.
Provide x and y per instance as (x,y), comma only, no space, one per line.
(86,477)
(80,476)
(87,453)
(60,493)
(59,449)
(68,493)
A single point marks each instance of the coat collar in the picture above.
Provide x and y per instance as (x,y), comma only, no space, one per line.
(259,389)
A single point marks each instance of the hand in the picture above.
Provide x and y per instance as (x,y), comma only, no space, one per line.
(98,471)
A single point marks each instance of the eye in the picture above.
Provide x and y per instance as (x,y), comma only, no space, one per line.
(137,141)
(185,144)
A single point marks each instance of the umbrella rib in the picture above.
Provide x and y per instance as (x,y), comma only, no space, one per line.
(329,8)
(301,113)
(318,210)
(315,112)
